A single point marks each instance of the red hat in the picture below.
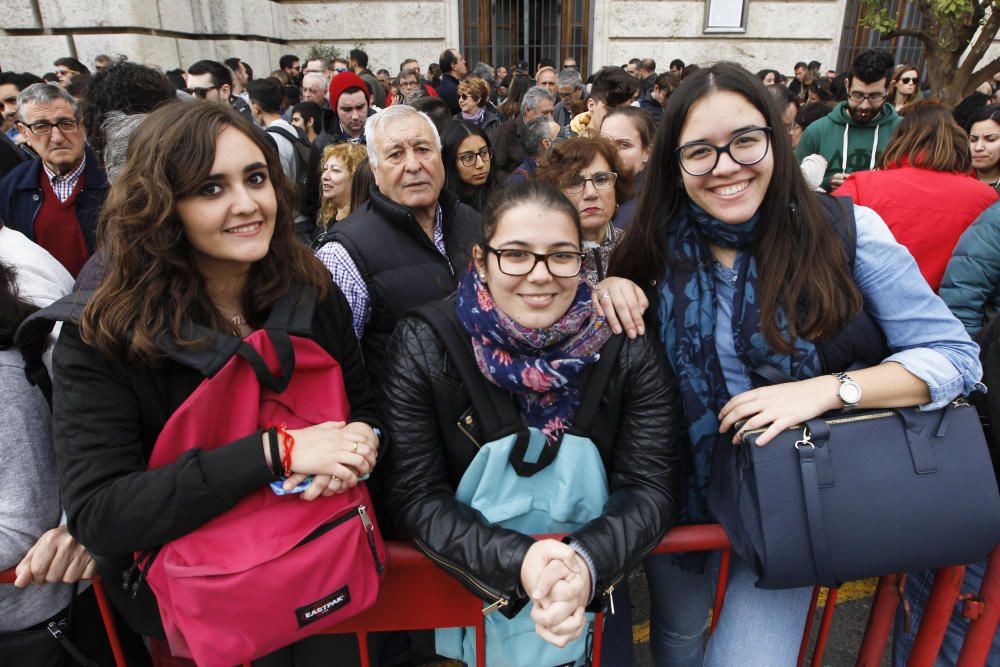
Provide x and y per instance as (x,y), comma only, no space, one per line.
(342,82)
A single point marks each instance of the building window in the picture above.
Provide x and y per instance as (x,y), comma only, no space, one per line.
(725,16)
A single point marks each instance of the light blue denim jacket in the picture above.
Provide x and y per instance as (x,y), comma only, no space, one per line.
(921,332)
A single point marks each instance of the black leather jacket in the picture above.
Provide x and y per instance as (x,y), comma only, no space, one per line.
(423,402)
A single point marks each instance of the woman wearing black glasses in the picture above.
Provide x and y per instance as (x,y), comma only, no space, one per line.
(745,267)
(522,321)
(468,162)
(589,172)
(905,86)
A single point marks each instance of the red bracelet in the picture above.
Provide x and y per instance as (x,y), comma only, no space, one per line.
(288,442)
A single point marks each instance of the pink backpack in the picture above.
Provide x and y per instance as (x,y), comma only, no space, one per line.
(273,569)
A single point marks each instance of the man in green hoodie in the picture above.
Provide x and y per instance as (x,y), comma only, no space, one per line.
(851,137)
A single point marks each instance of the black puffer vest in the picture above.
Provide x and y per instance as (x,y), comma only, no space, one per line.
(400,265)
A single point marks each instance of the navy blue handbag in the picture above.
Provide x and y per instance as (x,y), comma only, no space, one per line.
(859,494)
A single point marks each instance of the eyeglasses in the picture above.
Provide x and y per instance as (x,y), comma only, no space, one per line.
(65,125)
(566,96)
(62,72)
(873,98)
(747,148)
(408,84)
(602,180)
(562,264)
(908,79)
(469,159)
(201,93)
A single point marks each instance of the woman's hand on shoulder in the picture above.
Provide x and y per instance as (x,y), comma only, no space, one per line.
(623,303)
(55,557)
(778,407)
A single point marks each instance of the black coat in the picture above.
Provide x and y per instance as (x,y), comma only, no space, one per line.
(508,151)
(422,400)
(108,415)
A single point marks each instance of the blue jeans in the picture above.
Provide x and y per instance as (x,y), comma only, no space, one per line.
(757,627)
(918,590)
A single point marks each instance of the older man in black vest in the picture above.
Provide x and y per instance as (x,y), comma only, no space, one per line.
(410,242)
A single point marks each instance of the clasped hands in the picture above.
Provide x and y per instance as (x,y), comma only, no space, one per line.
(335,454)
(557,580)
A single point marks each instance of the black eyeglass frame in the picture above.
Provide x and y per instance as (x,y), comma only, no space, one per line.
(33,127)
(575,188)
(469,159)
(539,257)
(727,149)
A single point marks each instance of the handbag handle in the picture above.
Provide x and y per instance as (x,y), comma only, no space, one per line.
(807,450)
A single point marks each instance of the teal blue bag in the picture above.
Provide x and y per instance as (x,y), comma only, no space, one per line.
(519,482)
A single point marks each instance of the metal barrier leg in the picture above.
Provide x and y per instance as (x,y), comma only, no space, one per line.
(720,589)
(366,660)
(804,646)
(598,638)
(979,637)
(879,621)
(109,622)
(937,614)
(824,627)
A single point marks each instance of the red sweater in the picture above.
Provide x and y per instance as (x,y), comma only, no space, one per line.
(57,228)
(926,210)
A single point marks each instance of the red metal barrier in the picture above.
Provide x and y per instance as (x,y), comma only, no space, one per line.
(8,576)
(979,636)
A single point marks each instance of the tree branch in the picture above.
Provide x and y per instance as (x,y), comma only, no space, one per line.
(982,43)
(908,32)
(982,75)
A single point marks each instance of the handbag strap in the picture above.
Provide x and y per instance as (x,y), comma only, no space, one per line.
(814,505)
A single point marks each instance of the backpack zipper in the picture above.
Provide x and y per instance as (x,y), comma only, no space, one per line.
(499,601)
(326,528)
(370,534)
(468,420)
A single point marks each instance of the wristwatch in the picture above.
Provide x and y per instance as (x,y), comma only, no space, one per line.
(849,392)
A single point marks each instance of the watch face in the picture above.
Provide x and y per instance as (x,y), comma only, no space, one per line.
(850,393)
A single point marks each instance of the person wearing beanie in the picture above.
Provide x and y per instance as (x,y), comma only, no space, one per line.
(349,99)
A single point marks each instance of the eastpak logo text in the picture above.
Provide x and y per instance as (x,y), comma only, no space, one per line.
(323,607)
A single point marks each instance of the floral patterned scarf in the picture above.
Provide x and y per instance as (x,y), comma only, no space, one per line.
(539,366)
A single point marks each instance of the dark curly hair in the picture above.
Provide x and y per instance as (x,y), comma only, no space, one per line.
(872,65)
(153,284)
(125,87)
(13,309)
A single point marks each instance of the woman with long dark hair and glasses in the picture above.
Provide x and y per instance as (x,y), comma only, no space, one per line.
(745,267)
(468,162)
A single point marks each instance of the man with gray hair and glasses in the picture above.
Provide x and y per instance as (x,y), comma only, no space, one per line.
(539,135)
(569,85)
(508,150)
(410,242)
(55,199)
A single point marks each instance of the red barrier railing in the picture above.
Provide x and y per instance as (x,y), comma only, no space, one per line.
(8,576)
(445,603)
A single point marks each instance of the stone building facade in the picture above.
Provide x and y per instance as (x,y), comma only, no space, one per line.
(176,33)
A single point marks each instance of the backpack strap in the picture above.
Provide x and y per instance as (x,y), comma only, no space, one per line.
(282,132)
(497,410)
(594,381)
(32,337)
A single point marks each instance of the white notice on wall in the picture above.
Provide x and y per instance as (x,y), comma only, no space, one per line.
(725,14)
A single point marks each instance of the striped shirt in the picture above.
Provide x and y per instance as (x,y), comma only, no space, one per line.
(63,184)
(347,277)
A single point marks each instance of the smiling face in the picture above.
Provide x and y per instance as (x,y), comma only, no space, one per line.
(984,144)
(595,206)
(336,182)
(536,300)
(409,169)
(476,174)
(731,192)
(620,129)
(229,219)
(468,103)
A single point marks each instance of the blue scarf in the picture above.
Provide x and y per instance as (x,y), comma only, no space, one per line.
(539,366)
(687,329)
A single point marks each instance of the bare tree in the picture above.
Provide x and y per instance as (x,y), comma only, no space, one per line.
(956,35)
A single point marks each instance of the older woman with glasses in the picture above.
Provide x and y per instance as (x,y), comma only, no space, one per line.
(590,173)
(474,100)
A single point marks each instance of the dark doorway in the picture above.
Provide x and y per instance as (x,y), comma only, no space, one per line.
(502,32)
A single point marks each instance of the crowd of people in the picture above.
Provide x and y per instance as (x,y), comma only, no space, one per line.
(604,257)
